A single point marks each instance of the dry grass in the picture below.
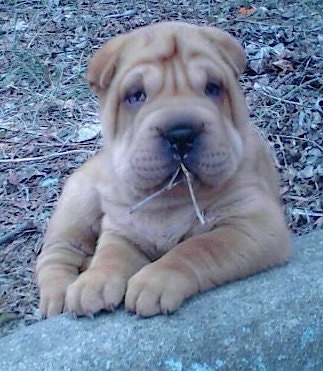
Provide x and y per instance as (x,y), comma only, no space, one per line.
(48,117)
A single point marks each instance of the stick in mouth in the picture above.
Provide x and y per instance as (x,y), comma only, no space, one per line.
(170,185)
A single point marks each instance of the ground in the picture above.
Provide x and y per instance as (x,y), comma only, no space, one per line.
(49,122)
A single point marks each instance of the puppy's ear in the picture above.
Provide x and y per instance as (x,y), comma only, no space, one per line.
(103,64)
(230,48)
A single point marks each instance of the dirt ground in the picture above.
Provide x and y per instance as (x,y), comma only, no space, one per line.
(49,122)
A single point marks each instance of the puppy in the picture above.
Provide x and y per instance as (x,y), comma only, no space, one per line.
(175,129)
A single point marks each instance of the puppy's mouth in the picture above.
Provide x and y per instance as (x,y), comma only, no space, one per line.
(181,176)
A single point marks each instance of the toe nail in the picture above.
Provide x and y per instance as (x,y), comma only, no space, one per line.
(111,308)
(73,314)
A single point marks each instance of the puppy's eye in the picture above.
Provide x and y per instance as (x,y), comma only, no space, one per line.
(212,90)
(136,97)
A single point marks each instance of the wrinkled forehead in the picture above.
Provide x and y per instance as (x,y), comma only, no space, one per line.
(161,43)
(150,50)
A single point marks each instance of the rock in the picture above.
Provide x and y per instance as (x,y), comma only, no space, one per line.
(271,321)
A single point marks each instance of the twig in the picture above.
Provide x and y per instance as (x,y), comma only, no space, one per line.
(280,99)
(167,187)
(190,187)
(282,149)
(127,13)
(305,212)
(45,157)
(10,236)
(301,139)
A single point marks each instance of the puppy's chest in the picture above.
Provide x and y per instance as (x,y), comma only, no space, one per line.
(156,236)
(155,233)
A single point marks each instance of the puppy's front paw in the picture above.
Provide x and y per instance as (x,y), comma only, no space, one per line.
(158,289)
(52,292)
(95,290)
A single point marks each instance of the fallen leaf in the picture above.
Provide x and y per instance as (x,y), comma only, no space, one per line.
(246,11)
(86,133)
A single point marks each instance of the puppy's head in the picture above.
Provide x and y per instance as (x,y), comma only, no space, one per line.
(169,95)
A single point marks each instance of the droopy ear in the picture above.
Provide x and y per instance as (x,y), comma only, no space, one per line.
(103,64)
(231,49)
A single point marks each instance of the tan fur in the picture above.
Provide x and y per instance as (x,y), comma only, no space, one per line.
(160,255)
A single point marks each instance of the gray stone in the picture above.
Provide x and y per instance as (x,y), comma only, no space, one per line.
(272,321)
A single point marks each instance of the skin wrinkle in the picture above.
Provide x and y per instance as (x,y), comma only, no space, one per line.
(210,259)
(180,78)
(147,56)
(72,245)
(170,60)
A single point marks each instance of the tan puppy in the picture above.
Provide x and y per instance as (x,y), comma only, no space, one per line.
(169,97)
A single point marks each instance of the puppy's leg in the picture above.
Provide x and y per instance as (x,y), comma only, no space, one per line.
(237,249)
(69,240)
(57,267)
(103,284)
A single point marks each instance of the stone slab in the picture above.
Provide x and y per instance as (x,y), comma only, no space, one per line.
(271,321)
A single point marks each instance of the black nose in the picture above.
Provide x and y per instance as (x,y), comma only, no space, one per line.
(181,138)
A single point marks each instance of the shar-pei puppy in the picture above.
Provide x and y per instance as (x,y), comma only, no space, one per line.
(183,196)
